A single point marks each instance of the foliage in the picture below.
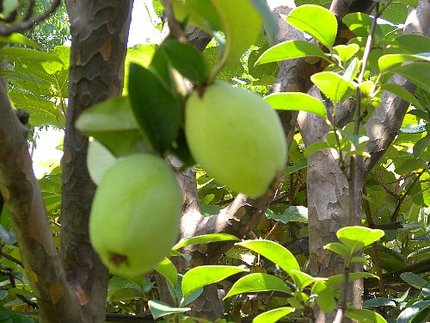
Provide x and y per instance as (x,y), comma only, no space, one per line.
(264,278)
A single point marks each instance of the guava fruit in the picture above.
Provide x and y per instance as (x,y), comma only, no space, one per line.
(235,136)
(135,214)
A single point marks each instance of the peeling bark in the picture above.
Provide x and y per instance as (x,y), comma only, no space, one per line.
(99,41)
(20,190)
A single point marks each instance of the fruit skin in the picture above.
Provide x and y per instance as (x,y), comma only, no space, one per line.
(236,137)
(135,215)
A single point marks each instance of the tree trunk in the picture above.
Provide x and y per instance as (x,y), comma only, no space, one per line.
(99,41)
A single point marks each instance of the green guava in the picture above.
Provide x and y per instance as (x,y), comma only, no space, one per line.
(236,137)
(135,215)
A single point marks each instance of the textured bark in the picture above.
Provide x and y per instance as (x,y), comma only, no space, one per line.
(99,41)
(20,190)
(385,122)
(329,191)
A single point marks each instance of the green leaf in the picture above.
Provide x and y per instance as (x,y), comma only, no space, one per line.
(414,43)
(418,73)
(402,92)
(301,279)
(15,52)
(200,13)
(112,123)
(205,275)
(155,107)
(333,85)
(346,52)
(258,282)
(206,238)
(16,38)
(326,296)
(159,309)
(412,311)
(364,316)
(357,237)
(241,25)
(274,252)
(99,159)
(168,270)
(9,7)
(338,248)
(273,315)
(296,101)
(290,49)
(316,21)
(315,147)
(337,280)
(378,302)
(269,21)
(291,214)
(359,23)
(186,59)
(389,61)
(414,280)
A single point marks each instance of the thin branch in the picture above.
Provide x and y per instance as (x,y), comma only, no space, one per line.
(174,26)
(23,198)
(30,22)
(10,274)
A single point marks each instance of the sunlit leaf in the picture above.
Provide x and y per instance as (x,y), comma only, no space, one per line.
(205,275)
(357,237)
(168,270)
(274,252)
(316,21)
(273,315)
(296,101)
(290,49)
(207,238)
(258,282)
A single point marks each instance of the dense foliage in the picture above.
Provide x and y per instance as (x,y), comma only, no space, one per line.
(265,275)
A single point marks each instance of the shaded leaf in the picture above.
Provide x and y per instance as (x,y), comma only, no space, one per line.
(414,280)
(112,123)
(186,59)
(291,214)
(159,309)
(418,73)
(154,106)
(402,92)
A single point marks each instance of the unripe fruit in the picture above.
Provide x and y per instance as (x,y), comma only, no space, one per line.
(236,137)
(135,214)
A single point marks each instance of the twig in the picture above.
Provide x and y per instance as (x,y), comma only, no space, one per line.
(404,195)
(28,23)
(11,258)
(9,273)
(174,25)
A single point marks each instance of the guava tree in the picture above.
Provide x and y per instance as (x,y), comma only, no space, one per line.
(351,117)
